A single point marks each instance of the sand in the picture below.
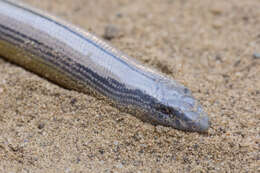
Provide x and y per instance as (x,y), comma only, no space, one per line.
(206,45)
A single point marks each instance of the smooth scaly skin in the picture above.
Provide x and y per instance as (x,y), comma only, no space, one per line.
(79,60)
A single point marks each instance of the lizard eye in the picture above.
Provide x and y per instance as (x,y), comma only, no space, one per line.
(164,109)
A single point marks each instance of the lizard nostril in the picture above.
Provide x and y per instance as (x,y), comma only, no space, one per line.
(186,91)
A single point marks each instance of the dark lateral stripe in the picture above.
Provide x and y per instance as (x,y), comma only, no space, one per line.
(78,34)
(107,86)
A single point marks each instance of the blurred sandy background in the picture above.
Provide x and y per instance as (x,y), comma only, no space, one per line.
(206,45)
